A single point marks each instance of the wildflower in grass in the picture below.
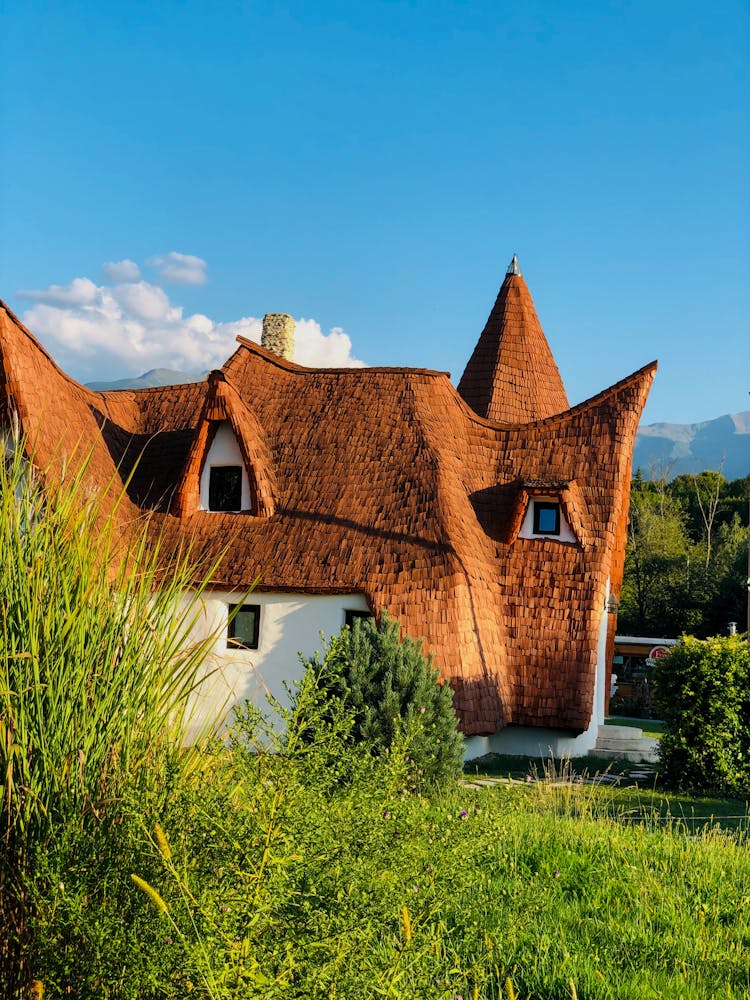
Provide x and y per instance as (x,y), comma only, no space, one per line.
(156,900)
(422,708)
(386,815)
(463,814)
(556,873)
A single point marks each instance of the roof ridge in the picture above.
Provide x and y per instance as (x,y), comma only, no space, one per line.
(39,346)
(585,404)
(144,388)
(296,369)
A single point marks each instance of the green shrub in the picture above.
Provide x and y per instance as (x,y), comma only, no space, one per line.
(393,693)
(703,687)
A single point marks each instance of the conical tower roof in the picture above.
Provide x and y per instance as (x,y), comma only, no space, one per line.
(512,377)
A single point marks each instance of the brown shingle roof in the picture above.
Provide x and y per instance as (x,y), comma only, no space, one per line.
(382,481)
(512,376)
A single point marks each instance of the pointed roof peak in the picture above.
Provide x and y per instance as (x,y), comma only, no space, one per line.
(512,377)
(513,267)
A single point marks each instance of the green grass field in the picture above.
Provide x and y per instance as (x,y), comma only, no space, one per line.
(650,727)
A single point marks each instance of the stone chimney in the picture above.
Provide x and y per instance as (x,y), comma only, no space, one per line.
(278,334)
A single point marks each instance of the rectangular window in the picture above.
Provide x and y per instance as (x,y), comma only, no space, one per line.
(546,518)
(244,628)
(351,616)
(225,487)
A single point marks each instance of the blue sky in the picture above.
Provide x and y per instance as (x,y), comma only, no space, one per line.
(372,168)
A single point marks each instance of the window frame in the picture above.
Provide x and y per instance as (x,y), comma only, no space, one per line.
(232,641)
(541,506)
(353,614)
(225,510)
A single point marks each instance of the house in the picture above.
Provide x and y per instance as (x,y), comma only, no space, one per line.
(489,519)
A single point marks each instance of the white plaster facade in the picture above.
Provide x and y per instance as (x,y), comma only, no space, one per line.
(290,624)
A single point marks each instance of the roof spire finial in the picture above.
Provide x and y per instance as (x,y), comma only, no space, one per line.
(513,268)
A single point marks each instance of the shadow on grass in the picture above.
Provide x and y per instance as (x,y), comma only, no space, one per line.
(628,793)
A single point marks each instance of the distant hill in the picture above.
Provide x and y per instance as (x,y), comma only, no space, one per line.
(150,379)
(670,449)
(674,449)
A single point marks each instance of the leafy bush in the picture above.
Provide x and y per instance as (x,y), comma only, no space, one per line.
(703,687)
(394,696)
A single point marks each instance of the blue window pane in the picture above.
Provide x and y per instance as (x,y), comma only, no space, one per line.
(546,518)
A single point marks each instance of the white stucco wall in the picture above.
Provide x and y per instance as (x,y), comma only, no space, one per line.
(527,527)
(540,742)
(224,450)
(289,624)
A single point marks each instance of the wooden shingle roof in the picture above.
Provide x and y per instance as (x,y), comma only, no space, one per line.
(386,482)
(512,376)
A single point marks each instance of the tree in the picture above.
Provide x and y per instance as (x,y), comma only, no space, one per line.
(394,694)
(686,557)
(657,567)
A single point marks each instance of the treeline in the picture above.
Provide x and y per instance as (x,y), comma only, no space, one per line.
(686,565)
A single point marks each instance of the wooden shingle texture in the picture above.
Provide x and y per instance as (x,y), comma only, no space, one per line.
(390,483)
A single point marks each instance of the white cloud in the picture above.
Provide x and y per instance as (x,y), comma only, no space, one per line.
(179,268)
(112,331)
(121,270)
(312,347)
(80,292)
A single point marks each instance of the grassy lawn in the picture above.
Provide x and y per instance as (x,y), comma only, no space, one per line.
(650,727)
(523,767)
(635,798)
(565,890)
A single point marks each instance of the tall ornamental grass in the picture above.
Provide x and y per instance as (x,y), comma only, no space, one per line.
(97,667)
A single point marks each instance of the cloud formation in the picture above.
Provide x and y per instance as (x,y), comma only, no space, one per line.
(126,327)
(179,268)
(121,270)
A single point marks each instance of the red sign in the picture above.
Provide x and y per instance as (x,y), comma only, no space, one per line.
(658,653)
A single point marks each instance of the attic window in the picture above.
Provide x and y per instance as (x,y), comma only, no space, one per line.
(225,488)
(546,517)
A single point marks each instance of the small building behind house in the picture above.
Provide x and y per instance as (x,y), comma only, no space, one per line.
(633,660)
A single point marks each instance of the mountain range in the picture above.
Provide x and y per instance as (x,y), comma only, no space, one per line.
(660,449)
(722,445)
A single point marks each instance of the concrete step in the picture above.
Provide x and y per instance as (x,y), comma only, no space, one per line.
(618,744)
(613,732)
(625,743)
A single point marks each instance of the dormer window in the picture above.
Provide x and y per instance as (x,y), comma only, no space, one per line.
(224,482)
(225,487)
(546,517)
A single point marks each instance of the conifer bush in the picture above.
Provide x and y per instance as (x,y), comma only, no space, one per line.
(703,687)
(396,700)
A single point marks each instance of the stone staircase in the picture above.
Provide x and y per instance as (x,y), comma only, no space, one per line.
(625,743)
